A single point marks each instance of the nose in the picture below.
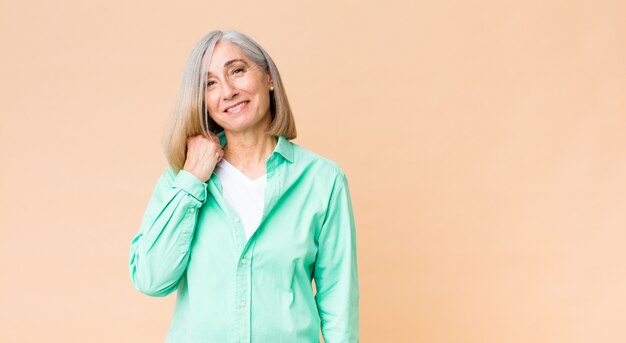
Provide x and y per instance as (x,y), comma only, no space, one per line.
(229,90)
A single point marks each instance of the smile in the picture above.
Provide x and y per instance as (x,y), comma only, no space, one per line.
(237,108)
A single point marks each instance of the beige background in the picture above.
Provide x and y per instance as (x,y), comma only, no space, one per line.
(484,142)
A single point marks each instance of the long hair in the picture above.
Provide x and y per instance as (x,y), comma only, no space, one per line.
(190,116)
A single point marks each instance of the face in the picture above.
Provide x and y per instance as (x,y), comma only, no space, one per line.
(237,93)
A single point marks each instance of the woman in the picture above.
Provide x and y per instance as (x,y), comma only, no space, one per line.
(243,220)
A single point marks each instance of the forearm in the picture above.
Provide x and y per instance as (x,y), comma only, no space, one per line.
(160,250)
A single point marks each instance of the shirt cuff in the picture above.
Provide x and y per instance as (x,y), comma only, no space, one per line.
(191,184)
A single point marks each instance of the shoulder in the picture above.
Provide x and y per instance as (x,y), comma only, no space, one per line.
(322,166)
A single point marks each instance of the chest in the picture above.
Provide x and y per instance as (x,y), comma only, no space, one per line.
(285,237)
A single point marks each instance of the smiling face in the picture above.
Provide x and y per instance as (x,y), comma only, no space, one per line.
(237,93)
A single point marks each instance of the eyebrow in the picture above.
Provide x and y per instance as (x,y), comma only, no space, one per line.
(229,62)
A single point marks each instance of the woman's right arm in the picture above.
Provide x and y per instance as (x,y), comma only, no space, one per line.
(159,252)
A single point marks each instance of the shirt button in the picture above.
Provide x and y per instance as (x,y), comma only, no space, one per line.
(244,261)
(242,304)
(236,219)
(192,210)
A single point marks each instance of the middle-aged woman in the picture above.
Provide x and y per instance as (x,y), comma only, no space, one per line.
(243,220)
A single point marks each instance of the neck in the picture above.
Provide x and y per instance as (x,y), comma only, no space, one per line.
(248,151)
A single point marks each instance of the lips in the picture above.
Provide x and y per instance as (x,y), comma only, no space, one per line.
(236,108)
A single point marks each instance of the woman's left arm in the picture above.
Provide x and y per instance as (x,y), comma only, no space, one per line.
(336,272)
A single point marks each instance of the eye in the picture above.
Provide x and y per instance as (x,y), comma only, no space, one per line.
(210,83)
(237,70)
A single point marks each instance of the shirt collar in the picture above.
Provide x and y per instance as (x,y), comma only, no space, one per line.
(283,147)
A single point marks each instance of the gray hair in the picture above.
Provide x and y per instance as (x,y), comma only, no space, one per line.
(190,116)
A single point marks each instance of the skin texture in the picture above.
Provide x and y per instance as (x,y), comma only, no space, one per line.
(234,79)
(203,154)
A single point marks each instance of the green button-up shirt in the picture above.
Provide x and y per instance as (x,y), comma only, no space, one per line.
(233,289)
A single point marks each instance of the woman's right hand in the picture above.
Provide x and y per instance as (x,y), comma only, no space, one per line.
(203,153)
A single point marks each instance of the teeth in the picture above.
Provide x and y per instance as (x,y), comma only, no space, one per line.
(236,108)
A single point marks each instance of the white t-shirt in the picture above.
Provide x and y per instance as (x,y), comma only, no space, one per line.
(244,195)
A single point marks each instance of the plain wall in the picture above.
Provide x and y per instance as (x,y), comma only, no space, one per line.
(484,143)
